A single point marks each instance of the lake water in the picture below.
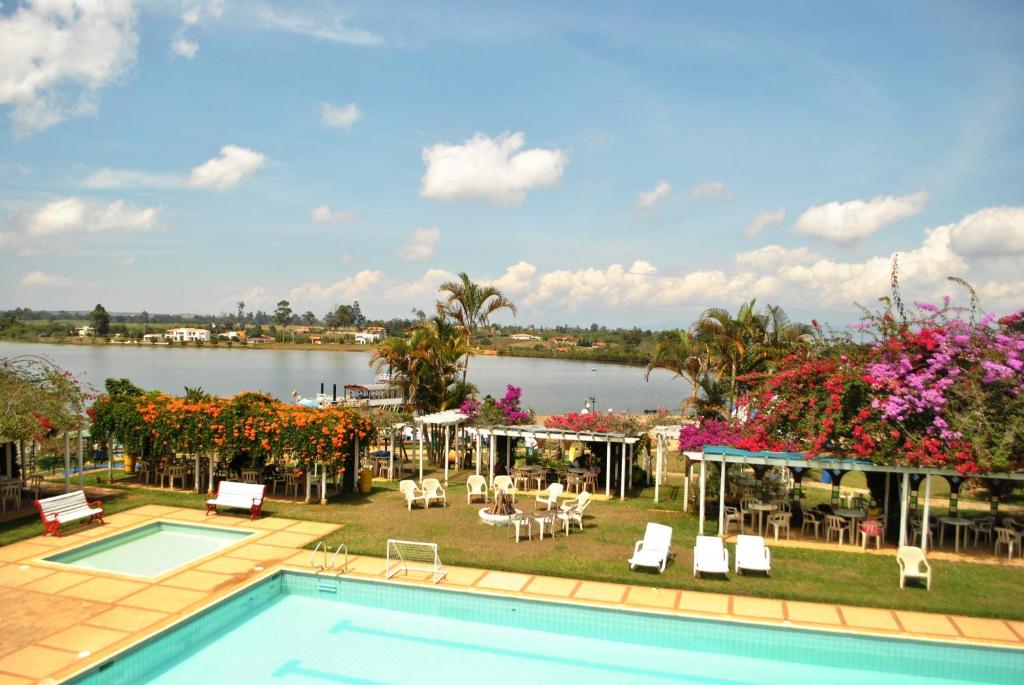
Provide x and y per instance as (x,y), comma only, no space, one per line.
(549,385)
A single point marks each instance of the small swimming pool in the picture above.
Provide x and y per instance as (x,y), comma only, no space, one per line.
(150,550)
(289,629)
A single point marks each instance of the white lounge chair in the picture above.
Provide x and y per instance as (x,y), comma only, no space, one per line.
(411,493)
(553,492)
(505,484)
(710,556)
(752,555)
(654,549)
(476,486)
(913,565)
(433,492)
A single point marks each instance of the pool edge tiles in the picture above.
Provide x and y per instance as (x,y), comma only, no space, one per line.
(65,558)
(154,654)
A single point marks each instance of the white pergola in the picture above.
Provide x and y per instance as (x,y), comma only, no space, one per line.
(728,455)
(445,419)
(542,433)
(662,434)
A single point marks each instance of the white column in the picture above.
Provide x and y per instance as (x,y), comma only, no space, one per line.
(391,454)
(491,449)
(687,473)
(904,506)
(657,468)
(608,472)
(67,462)
(508,453)
(721,499)
(355,470)
(421,454)
(309,484)
(622,480)
(196,476)
(323,483)
(924,518)
(446,448)
(209,483)
(81,461)
(479,446)
(702,486)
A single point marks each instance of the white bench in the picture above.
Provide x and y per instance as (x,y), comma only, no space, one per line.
(72,506)
(238,496)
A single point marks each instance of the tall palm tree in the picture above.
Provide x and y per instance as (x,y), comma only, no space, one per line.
(683,355)
(470,306)
(393,354)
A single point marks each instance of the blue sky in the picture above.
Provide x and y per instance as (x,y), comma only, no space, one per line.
(627,163)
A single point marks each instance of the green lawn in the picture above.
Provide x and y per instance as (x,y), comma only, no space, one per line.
(601,550)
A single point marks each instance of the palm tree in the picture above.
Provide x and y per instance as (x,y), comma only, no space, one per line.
(394,355)
(683,355)
(470,306)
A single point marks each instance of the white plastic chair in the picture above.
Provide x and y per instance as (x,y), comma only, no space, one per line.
(733,515)
(835,525)
(554,491)
(574,510)
(780,520)
(913,565)
(476,486)
(752,555)
(411,493)
(654,549)
(1005,537)
(710,556)
(432,492)
(504,484)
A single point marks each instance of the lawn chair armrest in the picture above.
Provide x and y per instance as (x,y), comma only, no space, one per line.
(637,546)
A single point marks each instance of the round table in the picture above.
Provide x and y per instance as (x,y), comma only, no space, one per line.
(854,515)
(761,508)
(957,522)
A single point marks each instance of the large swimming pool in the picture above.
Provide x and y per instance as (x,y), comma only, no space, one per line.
(150,550)
(288,629)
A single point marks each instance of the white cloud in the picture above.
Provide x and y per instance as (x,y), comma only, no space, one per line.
(309,295)
(325,215)
(763,221)
(45,280)
(774,256)
(990,232)
(424,287)
(184,47)
(848,222)
(108,179)
(74,215)
(227,170)
(650,198)
(330,26)
(56,55)
(340,116)
(421,244)
(489,169)
(517,279)
(711,189)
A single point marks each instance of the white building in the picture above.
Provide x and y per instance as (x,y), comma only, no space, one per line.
(85,331)
(366,337)
(187,334)
(153,338)
(524,336)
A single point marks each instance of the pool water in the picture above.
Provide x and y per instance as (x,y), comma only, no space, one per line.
(150,550)
(288,630)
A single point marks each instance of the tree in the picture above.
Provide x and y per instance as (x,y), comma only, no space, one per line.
(682,354)
(309,318)
(358,319)
(283,313)
(470,305)
(100,320)
(241,311)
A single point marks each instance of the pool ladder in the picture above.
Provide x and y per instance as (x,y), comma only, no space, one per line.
(324,582)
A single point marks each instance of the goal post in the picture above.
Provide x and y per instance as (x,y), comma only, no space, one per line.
(406,555)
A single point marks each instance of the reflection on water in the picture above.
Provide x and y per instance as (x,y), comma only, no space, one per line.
(549,385)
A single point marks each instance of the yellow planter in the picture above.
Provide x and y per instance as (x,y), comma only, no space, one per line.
(129,463)
(365,480)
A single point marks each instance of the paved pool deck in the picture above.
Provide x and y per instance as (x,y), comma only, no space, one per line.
(57,622)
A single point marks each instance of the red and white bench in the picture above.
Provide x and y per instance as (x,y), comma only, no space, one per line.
(72,506)
(238,496)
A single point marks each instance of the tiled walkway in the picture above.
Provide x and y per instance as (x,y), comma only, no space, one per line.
(56,622)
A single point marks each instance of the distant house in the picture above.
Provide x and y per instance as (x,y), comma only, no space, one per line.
(260,340)
(599,344)
(85,331)
(523,336)
(563,340)
(187,334)
(379,330)
(315,339)
(232,335)
(299,330)
(366,337)
(153,338)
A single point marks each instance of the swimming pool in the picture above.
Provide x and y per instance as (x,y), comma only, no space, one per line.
(286,629)
(150,550)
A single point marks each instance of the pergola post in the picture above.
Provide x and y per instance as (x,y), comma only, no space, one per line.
(479,441)
(197,477)
(209,483)
(446,448)
(355,469)
(721,498)
(904,506)
(622,480)
(309,485)
(323,483)
(608,470)
(81,460)
(420,432)
(657,467)
(391,453)
(491,449)
(924,517)
(508,453)
(702,485)
(67,462)
(687,473)
(885,506)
